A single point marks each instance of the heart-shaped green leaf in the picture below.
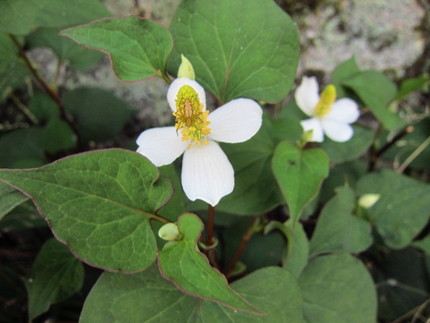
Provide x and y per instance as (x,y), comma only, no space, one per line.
(181,262)
(238,48)
(337,289)
(146,297)
(138,48)
(337,229)
(403,208)
(55,276)
(99,204)
(299,174)
(19,17)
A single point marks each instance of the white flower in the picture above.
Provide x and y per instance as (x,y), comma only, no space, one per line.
(206,172)
(328,116)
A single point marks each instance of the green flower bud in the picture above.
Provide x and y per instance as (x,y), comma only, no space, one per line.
(169,232)
(186,69)
(366,201)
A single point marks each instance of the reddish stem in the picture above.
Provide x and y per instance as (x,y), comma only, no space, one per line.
(245,239)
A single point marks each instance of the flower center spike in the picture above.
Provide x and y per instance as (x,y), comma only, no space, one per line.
(327,98)
(191,119)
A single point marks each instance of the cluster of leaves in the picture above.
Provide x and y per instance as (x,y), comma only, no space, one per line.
(312,252)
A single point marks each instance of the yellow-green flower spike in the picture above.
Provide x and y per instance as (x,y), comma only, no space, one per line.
(327,98)
(191,119)
(186,69)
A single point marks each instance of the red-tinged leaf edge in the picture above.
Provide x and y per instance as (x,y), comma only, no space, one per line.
(256,312)
(49,224)
(109,53)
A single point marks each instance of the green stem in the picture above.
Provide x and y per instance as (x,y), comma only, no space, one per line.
(414,155)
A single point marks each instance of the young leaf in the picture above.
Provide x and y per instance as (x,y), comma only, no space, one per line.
(337,229)
(343,72)
(338,289)
(376,91)
(252,54)
(138,48)
(146,297)
(183,264)
(402,210)
(55,276)
(99,204)
(9,199)
(19,17)
(299,174)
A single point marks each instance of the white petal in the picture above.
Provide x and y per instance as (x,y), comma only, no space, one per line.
(315,125)
(307,95)
(207,173)
(161,145)
(337,131)
(176,85)
(344,110)
(236,121)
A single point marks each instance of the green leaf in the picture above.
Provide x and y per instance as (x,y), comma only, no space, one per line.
(299,174)
(343,72)
(56,275)
(337,229)
(255,189)
(146,297)
(13,70)
(19,17)
(423,244)
(138,48)
(409,144)
(9,199)
(80,57)
(402,210)
(347,173)
(58,136)
(376,91)
(337,289)
(238,48)
(297,251)
(43,108)
(100,115)
(340,152)
(183,264)
(22,148)
(403,282)
(99,204)
(411,85)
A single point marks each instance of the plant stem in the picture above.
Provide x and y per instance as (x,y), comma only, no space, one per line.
(245,239)
(210,236)
(21,107)
(376,154)
(413,155)
(52,93)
